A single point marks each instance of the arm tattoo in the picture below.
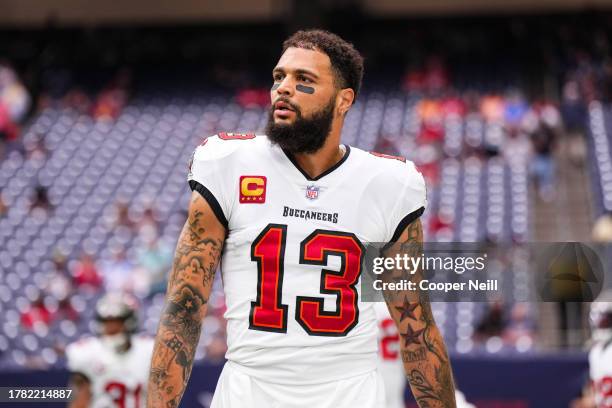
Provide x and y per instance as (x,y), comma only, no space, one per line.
(422,347)
(419,383)
(196,256)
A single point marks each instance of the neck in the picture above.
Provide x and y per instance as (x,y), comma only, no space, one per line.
(327,156)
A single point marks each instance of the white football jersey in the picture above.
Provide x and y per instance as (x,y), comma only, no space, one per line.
(389,362)
(600,367)
(116,380)
(293,255)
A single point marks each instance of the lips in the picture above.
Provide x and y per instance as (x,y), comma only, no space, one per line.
(282,106)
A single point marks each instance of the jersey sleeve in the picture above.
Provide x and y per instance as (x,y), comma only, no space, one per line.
(209,175)
(411,202)
(78,358)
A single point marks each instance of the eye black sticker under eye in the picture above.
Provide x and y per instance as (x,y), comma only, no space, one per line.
(304,88)
(275,86)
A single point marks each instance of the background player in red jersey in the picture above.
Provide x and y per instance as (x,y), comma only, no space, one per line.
(253,204)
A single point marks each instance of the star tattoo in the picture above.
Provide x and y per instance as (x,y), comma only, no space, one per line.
(407,309)
(411,336)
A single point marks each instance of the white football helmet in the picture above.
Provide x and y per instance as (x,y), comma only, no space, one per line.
(113,307)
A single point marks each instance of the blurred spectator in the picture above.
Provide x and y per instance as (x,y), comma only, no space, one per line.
(492,323)
(60,261)
(121,216)
(515,108)
(441,224)
(85,273)
(14,104)
(59,285)
(13,95)
(155,259)
(453,105)
(112,99)
(118,273)
(3,206)
(78,100)
(148,223)
(8,129)
(550,116)
(37,313)
(543,166)
(431,114)
(602,230)
(66,311)
(59,288)
(41,201)
(492,108)
(573,110)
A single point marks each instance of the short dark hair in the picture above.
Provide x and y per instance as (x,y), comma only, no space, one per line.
(346,62)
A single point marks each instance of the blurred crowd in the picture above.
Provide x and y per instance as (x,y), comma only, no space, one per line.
(521,132)
(523,129)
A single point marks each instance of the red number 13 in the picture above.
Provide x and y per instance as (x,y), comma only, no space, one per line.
(268,313)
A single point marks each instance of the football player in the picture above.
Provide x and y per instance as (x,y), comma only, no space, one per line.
(289,213)
(600,356)
(111,369)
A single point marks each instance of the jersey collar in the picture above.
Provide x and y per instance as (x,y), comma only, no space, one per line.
(326,172)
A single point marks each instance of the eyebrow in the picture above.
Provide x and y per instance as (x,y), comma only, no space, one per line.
(297,71)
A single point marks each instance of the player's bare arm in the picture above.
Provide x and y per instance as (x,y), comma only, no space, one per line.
(81,389)
(197,255)
(422,348)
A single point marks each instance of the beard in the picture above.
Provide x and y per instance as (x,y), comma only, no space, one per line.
(305,135)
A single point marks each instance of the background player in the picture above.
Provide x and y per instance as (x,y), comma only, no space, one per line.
(284,208)
(600,356)
(111,370)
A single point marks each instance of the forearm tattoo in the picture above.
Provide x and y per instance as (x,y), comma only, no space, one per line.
(196,256)
(423,352)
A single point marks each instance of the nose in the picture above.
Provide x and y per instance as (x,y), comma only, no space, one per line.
(285,87)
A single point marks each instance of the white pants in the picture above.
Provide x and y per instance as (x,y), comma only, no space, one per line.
(238,390)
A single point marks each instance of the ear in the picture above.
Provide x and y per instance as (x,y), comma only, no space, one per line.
(344,100)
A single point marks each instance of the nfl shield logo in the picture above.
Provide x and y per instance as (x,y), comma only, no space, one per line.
(312,192)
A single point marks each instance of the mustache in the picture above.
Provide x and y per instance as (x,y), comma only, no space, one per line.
(287,101)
